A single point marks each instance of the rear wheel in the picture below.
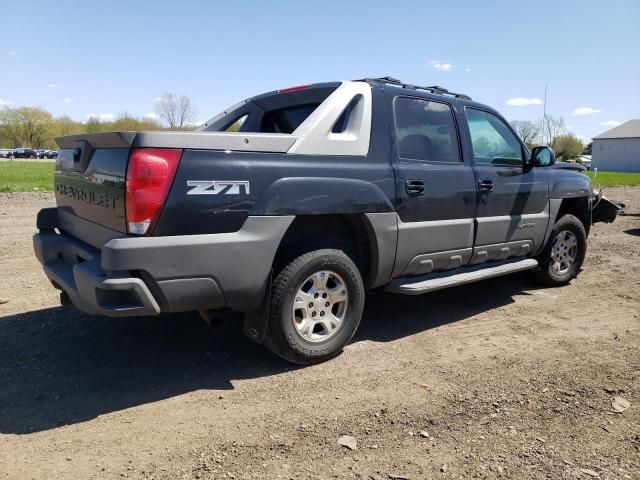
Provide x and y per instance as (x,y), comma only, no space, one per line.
(562,258)
(315,307)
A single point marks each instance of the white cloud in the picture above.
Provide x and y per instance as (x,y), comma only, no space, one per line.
(55,85)
(5,102)
(523,101)
(102,117)
(13,53)
(611,123)
(581,111)
(67,100)
(467,69)
(442,65)
(151,116)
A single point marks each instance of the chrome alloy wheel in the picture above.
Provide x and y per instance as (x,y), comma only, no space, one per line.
(564,252)
(320,306)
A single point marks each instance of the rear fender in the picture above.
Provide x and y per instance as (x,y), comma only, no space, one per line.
(321,195)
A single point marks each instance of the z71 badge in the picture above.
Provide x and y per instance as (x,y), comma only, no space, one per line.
(217,187)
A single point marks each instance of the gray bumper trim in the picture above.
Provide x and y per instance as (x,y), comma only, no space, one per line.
(145,275)
(75,268)
(239,262)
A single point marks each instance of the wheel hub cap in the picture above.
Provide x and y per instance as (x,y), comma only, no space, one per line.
(564,252)
(320,306)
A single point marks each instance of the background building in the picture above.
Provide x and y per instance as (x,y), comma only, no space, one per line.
(618,149)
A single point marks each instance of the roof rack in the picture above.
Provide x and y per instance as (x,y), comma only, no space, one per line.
(434,89)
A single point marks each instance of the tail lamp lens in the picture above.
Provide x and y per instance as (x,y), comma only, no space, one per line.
(149,176)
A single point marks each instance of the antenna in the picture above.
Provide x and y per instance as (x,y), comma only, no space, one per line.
(544,115)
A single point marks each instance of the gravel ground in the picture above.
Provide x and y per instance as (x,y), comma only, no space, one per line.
(497,379)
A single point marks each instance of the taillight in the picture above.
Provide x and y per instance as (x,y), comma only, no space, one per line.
(149,175)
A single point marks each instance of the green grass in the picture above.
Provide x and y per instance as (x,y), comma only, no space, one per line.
(615,179)
(38,177)
(26,176)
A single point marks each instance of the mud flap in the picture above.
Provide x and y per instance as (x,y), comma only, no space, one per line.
(604,210)
(255,323)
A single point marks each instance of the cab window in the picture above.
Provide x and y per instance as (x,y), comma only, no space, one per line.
(492,141)
(425,130)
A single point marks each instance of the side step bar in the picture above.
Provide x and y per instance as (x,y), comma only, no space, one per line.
(460,276)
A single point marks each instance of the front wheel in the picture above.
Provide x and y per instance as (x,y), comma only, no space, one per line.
(315,307)
(562,258)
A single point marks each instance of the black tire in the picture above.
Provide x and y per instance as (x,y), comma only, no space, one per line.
(282,337)
(549,275)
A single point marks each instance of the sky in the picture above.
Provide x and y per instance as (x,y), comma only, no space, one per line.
(106,58)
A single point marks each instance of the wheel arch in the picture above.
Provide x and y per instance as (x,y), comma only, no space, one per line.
(579,207)
(368,239)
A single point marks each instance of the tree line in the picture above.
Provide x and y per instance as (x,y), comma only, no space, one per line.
(552,132)
(35,127)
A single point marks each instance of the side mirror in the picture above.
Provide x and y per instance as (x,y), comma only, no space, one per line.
(542,157)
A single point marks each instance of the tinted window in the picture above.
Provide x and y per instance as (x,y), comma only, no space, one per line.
(492,141)
(286,120)
(237,125)
(425,130)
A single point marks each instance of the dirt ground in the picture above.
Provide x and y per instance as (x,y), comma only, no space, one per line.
(497,379)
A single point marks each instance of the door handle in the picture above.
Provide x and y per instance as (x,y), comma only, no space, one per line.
(414,188)
(485,185)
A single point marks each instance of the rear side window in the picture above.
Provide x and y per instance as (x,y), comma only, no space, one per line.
(425,130)
(286,120)
(279,111)
(237,125)
(492,141)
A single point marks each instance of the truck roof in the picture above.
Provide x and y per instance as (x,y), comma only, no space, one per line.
(434,92)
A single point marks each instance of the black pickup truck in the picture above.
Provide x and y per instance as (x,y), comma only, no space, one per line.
(289,205)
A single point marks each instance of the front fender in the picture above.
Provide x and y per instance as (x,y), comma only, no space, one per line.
(569,184)
(321,195)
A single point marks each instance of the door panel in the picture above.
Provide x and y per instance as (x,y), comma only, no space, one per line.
(437,221)
(516,209)
(512,210)
(435,190)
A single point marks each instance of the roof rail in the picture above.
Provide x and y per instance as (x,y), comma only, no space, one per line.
(433,89)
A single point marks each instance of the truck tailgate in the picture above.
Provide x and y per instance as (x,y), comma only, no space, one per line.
(90,178)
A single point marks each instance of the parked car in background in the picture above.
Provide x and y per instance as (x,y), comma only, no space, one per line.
(52,154)
(584,160)
(41,153)
(5,152)
(24,153)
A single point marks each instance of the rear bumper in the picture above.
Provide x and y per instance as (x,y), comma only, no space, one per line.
(133,276)
(74,267)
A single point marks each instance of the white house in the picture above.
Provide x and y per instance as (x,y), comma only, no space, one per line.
(618,149)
